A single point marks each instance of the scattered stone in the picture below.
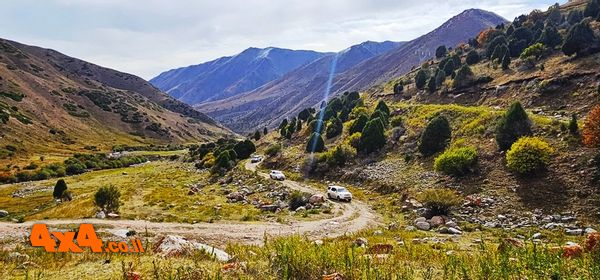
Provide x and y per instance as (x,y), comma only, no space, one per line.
(113,215)
(574,231)
(436,221)
(300,209)
(269,208)
(378,232)
(451,224)
(3,213)
(423,225)
(490,225)
(420,219)
(454,231)
(501,217)
(443,230)
(410,228)
(536,235)
(316,199)
(100,215)
(589,230)
(318,242)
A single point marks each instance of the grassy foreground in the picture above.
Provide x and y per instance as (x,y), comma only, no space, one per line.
(296,257)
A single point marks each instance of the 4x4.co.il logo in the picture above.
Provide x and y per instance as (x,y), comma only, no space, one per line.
(71,241)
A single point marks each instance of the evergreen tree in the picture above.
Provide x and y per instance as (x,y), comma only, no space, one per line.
(358,124)
(579,36)
(449,68)
(256,135)
(265,131)
(398,87)
(315,143)
(513,125)
(381,106)
(573,126)
(381,116)
(472,57)
(59,189)
(304,114)
(574,17)
(283,124)
(550,37)
(440,78)
(435,137)
(440,51)
(431,85)
(499,52)
(463,78)
(506,61)
(592,9)
(244,149)
(421,79)
(516,47)
(372,137)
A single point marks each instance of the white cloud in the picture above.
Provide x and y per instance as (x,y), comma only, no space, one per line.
(148,37)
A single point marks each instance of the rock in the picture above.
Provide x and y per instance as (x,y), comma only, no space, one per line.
(318,242)
(490,225)
(423,225)
(420,219)
(268,207)
(316,199)
(501,217)
(436,221)
(3,213)
(100,215)
(589,230)
(300,209)
(454,231)
(536,235)
(451,224)
(443,230)
(361,242)
(378,232)
(574,231)
(410,228)
(113,215)
(174,245)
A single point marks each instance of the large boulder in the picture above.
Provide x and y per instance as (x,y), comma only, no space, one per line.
(173,245)
(3,213)
(316,199)
(423,225)
(436,221)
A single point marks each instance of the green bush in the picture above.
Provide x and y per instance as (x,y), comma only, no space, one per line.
(381,106)
(579,37)
(529,155)
(435,137)
(472,57)
(354,140)
(396,121)
(511,126)
(439,201)
(334,128)
(421,79)
(273,149)
(381,116)
(464,77)
(59,189)
(339,155)
(244,149)
(358,124)
(456,161)
(315,143)
(107,198)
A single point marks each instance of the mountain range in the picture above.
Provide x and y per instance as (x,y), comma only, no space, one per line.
(58,103)
(355,68)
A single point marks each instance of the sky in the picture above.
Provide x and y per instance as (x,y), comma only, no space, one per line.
(147,37)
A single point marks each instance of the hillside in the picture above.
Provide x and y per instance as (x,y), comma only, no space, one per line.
(54,103)
(306,86)
(228,76)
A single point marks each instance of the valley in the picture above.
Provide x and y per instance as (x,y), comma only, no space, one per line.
(470,152)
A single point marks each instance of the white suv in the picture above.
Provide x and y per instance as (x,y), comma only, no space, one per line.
(277,175)
(339,193)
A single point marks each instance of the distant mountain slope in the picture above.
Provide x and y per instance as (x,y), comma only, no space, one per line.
(48,99)
(306,86)
(228,76)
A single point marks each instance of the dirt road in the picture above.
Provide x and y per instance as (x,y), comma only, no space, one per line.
(355,216)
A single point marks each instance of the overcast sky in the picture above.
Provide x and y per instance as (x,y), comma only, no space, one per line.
(146,37)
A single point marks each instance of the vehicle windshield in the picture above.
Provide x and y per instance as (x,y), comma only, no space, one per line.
(342,190)
(276,172)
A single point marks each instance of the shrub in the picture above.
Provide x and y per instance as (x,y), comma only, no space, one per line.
(535,51)
(435,137)
(334,128)
(372,137)
(107,198)
(396,121)
(256,135)
(75,168)
(381,116)
(591,128)
(574,17)
(273,149)
(315,143)
(315,125)
(59,189)
(381,106)
(456,161)
(31,166)
(339,155)
(529,155)
(506,61)
(398,88)
(354,140)
(512,126)
(550,37)
(573,126)
(439,201)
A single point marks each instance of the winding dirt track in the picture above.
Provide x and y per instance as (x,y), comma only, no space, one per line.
(355,216)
